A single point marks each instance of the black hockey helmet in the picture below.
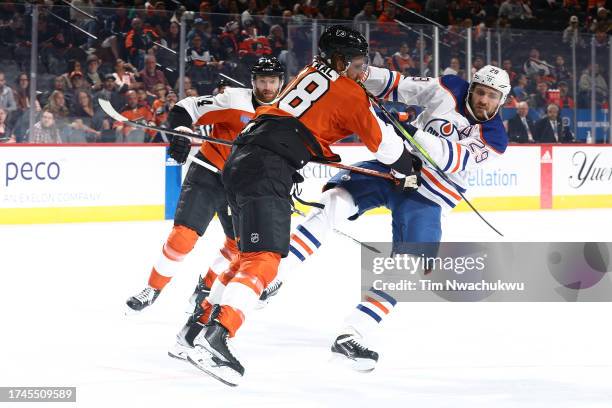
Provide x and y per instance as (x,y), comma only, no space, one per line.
(342,41)
(268,66)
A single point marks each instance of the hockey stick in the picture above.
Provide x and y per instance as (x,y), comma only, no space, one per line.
(110,111)
(398,126)
(232,79)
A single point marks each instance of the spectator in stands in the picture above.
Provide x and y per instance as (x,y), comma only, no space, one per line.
(221,11)
(158,17)
(560,71)
(251,11)
(454,67)
(57,106)
(520,127)
(513,10)
(134,112)
(125,76)
(366,15)
(507,66)
(584,87)
(160,113)
(200,61)
(535,66)
(387,20)
(401,61)
(196,30)
(550,128)
(565,101)
(186,82)
(540,99)
(7,99)
(572,33)
(5,132)
(254,45)
(477,64)
(520,90)
(138,41)
(110,93)
(272,12)
(73,65)
(415,54)
(277,41)
(145,99)
(602,21)
(230,39)
(45,130)
(22,92)
(78,84)
(83,108)
(92,76)
(152,76)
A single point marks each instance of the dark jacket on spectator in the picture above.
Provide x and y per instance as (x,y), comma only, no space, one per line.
(544,132)
(517,132)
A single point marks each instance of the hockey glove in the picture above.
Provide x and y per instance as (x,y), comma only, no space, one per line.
(180,146)
(411,181)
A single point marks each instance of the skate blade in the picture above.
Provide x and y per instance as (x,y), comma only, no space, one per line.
(361,365)
(128,311)
(261,304)
(206,365)
(179,353)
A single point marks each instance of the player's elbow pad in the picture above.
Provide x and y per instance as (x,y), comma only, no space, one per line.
(178,116)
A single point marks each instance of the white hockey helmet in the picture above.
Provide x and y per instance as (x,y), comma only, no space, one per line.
(493,77)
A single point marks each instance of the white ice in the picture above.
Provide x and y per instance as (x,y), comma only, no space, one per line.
(63,287)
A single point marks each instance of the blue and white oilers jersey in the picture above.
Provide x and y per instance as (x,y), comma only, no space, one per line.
(453,139)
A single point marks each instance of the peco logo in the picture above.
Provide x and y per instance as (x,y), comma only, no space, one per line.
(589,169)
(27,171)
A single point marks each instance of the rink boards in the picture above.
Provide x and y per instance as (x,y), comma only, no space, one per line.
(81,183)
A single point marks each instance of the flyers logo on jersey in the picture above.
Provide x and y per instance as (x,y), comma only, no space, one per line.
(441,128)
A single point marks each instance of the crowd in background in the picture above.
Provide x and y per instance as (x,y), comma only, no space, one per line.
(127,52)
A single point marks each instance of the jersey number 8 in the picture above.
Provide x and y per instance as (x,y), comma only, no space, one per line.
(303,94)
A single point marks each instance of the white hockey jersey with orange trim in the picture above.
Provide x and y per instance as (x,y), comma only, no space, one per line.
(452,138)
(228,112)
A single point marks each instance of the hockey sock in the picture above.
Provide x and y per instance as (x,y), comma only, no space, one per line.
(180,242)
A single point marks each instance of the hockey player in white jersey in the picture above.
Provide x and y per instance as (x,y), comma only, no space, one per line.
(202,194)
(460,129)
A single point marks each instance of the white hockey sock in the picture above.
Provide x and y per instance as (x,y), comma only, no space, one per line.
(365,318)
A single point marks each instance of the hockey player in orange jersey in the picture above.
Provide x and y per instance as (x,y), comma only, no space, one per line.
(202,194)
(322,105)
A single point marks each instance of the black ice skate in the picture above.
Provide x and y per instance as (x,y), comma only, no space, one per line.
(142,300)
(184,339)
(212,353)
(271,290)
(348,349)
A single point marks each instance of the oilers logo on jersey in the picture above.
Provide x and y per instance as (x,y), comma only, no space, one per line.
(441,128)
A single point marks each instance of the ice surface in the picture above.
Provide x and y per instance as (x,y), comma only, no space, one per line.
(63,288)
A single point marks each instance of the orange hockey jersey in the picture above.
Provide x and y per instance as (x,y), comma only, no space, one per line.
(332,107)
(228,112)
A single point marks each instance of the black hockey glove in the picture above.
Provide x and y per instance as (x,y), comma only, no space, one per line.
(412,180)
(179,148)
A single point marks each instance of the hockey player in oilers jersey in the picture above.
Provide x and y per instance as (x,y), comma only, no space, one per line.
(202,194)
(460,129)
